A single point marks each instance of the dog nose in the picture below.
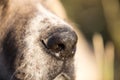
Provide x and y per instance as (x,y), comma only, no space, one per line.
(62,44)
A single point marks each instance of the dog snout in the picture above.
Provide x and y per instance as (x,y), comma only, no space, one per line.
(62,43)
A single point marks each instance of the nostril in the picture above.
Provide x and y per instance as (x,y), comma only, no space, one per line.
(61,46)
(54,43)
(54,47)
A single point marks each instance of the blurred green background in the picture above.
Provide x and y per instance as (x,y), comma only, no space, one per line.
(89,17)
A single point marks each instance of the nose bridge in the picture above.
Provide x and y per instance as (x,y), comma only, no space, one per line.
(50,17)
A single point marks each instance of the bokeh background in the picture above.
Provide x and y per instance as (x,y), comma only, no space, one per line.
(89,16)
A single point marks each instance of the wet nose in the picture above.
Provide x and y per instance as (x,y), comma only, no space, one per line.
(62,44)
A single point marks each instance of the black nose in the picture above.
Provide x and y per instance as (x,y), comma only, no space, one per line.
(62,43)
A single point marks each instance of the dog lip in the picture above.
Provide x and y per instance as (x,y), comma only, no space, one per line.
(62,76)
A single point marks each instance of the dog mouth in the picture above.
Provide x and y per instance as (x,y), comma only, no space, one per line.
(61,76)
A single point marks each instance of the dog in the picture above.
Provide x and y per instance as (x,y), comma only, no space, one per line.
(35,44)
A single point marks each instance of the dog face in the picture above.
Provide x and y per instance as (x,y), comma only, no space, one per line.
(34,44)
